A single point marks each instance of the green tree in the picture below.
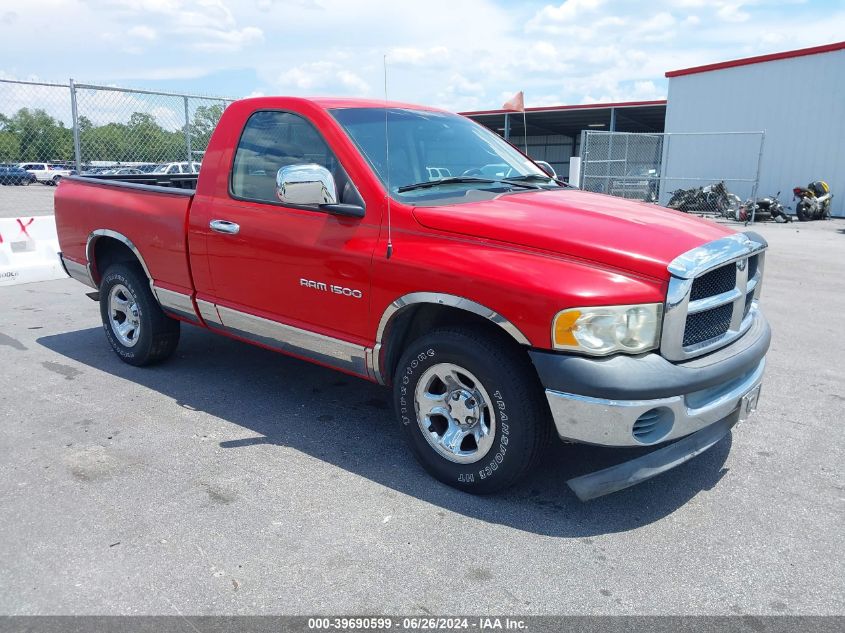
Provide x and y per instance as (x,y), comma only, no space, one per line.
(40,136)
(204,121)
(152,143)
(9,146)
(104,142)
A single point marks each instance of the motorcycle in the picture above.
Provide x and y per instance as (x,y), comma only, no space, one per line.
(814,201)
(764,209)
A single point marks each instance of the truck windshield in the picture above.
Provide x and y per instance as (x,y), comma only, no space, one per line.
(438,154)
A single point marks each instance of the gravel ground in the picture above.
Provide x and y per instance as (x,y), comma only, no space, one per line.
(234,480)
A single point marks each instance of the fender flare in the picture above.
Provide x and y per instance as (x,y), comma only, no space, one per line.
(435,298)
(120,237)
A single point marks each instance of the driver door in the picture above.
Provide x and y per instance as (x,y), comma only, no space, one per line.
(286,273)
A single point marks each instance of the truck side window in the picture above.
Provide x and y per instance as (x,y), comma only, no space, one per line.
(270,141)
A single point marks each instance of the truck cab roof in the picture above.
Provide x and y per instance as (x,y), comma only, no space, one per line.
(333,103)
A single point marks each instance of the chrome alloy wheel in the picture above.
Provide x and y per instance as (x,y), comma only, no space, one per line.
(124,318)
(454,413)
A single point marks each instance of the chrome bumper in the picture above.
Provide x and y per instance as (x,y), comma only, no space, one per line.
(647,422)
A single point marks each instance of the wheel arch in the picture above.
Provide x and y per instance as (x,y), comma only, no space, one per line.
(105,247)
(410,315)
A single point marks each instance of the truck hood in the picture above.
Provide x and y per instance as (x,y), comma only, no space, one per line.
(632,236)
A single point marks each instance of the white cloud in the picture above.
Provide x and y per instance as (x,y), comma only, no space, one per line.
(142,32)
(658,22)
(202,25)
(433,56)
(566,12)
(353,82)
(321,75)
(223,41)
(732,13)
(470,54)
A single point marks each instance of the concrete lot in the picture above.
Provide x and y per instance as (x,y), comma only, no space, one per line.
(234,480)
(26,202)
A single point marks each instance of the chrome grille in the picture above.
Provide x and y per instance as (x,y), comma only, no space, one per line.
(752,266)
(749,300)
(703,326)
(711,297)
(713,283)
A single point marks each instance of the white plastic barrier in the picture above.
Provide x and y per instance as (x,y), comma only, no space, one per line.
(29,250)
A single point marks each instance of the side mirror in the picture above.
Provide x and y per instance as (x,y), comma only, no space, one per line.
(308,184)
(550,171)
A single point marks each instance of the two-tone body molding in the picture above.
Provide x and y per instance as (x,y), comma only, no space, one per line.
(366,362)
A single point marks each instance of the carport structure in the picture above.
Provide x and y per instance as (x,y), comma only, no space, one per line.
(554,132)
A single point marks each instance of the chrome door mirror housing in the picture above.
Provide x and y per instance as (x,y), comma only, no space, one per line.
(546,167)
(309,184)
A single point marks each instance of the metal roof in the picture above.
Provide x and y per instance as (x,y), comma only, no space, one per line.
(746,61)
(582,106)
(637,116)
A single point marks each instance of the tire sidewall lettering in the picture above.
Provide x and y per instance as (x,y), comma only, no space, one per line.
(492,465)
(467,474)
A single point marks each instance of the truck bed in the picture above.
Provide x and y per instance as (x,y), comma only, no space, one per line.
(148,213)
(186,182)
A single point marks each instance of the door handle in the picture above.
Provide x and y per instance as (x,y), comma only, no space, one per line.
(224,226)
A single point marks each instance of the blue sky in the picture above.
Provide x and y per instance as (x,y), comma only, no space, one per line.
(457,54)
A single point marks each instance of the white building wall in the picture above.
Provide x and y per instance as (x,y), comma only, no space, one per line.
(800,104)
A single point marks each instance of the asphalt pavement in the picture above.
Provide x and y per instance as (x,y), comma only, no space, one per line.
(26,201)
(235,480)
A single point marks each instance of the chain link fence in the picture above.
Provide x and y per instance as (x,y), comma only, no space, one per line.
(143,130)
(35,122)
(714,174)
(52,129)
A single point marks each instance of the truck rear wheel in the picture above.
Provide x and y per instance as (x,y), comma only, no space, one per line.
(135,325)
(471,409)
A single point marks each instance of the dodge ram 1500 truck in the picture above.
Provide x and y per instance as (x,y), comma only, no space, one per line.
(415,248)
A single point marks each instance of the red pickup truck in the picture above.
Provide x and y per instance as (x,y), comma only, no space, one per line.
(415,248)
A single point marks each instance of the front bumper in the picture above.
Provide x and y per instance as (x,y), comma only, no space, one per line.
(647,400)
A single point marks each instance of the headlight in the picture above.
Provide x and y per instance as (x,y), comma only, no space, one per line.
(605,330)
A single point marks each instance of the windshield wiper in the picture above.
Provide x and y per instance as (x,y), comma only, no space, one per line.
(443,181)
(459,180)
(536,178)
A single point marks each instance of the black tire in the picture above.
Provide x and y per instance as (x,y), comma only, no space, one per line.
(802,213)
(522,422)
(158,334)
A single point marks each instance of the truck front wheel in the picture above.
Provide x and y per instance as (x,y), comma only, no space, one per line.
(135,325)
(471,409)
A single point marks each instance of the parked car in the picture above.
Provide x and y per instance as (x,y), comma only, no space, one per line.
(92,171)
(641,183)
(11,175)
(499,310)
(177,168)
(46,173)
